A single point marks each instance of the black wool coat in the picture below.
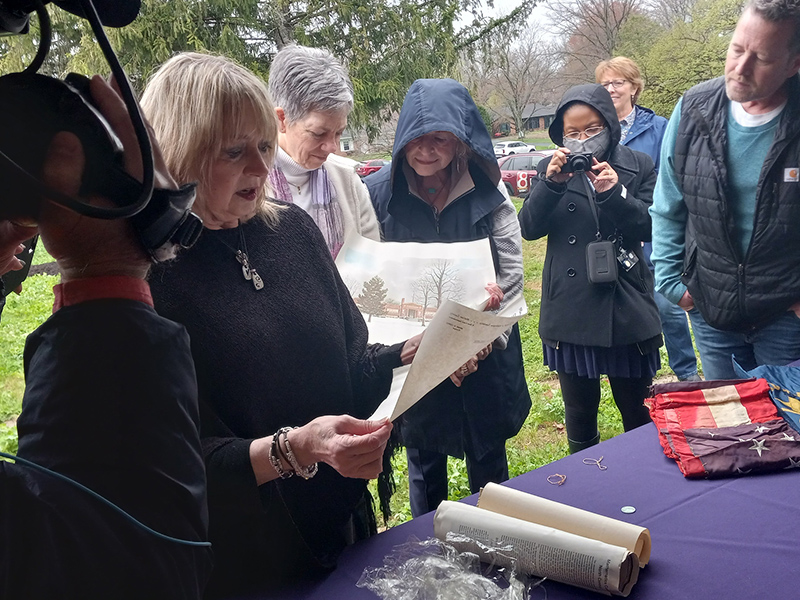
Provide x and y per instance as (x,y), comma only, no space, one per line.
(573,309)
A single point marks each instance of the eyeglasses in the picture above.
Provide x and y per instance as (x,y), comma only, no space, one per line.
(589,132)
(614,83)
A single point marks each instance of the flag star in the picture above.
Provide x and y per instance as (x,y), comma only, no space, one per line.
(793,463)
(761,429)
(788,437)
(745,441)
(758,446)
(743,472)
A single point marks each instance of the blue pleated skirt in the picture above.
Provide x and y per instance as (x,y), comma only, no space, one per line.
(594,361)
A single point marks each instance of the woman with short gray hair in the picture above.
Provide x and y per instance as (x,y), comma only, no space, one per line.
(313,96)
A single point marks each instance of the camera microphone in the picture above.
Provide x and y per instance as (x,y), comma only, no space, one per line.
(34,107)
(15,14)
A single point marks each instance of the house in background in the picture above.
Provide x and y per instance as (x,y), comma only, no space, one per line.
(346,143)
(534,117)
(540,118)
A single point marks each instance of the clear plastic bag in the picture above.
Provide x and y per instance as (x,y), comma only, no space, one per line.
(433,569)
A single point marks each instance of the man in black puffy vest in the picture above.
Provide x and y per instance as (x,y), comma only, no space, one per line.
(726,206)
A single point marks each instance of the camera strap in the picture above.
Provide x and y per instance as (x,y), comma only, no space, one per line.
(590,192)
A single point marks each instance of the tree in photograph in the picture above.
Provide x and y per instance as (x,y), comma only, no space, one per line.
(423,294)
(373,298)
(444,281)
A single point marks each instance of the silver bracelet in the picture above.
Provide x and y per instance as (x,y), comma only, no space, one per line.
(274,457)
(304,472)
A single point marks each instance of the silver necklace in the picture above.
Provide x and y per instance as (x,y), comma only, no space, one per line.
(248,271)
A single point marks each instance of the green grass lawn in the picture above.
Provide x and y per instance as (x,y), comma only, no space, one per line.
(541,440)
(22,314)
(538,138)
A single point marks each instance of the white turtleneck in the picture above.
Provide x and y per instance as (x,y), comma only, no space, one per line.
(351,193)
(297,177)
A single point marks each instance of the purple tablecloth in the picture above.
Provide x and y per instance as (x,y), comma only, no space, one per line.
(732,539)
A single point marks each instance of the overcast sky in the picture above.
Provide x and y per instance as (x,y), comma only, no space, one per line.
(537,17)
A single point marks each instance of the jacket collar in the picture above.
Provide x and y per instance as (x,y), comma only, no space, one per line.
(642,122)
(790,119)
(404,206)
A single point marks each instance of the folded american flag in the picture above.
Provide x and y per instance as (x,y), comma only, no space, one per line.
(723,428)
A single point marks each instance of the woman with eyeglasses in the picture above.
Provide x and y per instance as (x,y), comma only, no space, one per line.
(597,315)
(643,130)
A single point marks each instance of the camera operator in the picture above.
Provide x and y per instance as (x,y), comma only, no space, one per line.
(110,402)
(11,237)
(598,316)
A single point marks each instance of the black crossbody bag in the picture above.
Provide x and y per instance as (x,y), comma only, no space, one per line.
(601,261)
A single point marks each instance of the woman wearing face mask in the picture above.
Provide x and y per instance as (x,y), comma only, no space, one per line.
(592,329)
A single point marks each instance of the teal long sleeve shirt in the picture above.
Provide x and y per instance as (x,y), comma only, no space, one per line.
(745,153)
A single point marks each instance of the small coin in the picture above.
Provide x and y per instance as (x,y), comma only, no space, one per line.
(628,509)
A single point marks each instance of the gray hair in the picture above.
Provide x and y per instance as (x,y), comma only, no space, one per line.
(304,80)
(777,11)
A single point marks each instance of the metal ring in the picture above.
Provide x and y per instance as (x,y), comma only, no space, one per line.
(464,371)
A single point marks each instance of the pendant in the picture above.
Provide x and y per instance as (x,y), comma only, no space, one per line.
(248,272)
(242,258)
(431,190)
(258,283)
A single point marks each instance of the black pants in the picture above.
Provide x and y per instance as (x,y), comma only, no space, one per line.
(582,399)
(427,476)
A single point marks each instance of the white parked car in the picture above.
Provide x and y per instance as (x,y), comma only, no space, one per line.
(509,148)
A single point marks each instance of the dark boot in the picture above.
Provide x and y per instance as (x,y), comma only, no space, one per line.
(578,446)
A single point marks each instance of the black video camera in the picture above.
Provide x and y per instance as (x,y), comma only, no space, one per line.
(34,107)
(578,162)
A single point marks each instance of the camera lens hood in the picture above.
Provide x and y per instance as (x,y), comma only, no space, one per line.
(112,13)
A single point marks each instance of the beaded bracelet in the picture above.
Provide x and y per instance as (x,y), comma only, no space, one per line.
(274,457)
(304,472)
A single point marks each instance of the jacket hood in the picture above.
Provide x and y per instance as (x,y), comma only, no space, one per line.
(596,96)
(444,105)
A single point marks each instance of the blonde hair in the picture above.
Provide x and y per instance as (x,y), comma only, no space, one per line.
(625,67)
(194,103)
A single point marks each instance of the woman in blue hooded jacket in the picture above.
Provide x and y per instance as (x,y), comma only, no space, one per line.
(444,186)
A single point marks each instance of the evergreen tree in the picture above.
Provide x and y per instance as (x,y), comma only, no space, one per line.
(373,297)
(386,44)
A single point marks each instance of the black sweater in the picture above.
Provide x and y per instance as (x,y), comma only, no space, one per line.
(266,359)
